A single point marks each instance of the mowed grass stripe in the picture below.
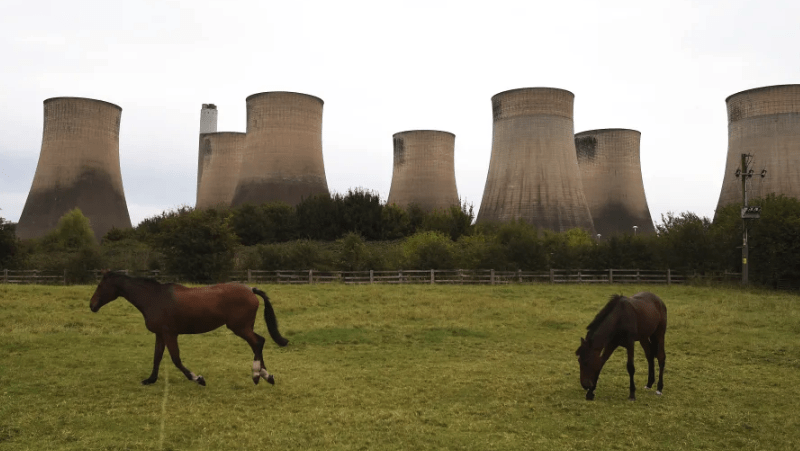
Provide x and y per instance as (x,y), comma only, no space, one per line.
(402,367)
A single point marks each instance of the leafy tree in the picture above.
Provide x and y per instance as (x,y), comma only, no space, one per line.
(198,245)
(394,222)
(70,247)
(267,223)
(687,243)
(72,233)
(9,245)
(773,240)
(454,221)
(360,213)
(318,217)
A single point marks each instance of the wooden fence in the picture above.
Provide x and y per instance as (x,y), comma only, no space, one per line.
(427,276)
(34,276)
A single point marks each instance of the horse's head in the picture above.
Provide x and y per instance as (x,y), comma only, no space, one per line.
(106,292)
(589,360)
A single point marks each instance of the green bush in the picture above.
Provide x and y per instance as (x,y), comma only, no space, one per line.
(429,250)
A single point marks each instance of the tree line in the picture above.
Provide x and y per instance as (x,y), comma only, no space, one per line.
(356,231)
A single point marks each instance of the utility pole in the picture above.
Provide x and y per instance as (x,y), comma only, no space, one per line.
(747,212)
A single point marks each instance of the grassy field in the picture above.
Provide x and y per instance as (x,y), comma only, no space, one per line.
(402,367)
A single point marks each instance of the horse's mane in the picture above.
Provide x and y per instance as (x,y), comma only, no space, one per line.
(603,314)
(143,280)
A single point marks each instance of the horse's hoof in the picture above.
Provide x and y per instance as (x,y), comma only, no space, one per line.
(658,393)
(647,387)
(148,381)
(271,380)
(256,379)
(631,399)
(201,381)
(590,396)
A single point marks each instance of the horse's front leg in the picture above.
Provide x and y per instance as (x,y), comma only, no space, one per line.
(607,351)
(172,345)
(631,371)
(158,354)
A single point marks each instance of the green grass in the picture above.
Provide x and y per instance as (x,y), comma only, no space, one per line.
(401,367)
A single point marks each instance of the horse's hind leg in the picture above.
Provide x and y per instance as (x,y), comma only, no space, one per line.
(172,345)
(662,357)
(256,343)
(649,353)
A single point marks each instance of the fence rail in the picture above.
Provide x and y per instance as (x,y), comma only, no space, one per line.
(404,276)
(34,276)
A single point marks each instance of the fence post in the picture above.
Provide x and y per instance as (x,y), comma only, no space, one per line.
(669,277)
(552,275)
(310,277)
(5,275)
(371,277)
(491,276)
(610,275)
(579,276)
(637,276)
(65,276)
(519,275)
(249,276)
(400,276)
(432,277)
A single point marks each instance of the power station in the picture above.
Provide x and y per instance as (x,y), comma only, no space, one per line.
(611,173)
(218,168)
(533,171)
(765,123)
(282,158)
(78,168)
(424,171)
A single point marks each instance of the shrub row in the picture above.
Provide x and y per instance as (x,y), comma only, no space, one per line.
(356,232)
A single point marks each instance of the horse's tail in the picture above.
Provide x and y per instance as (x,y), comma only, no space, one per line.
(269,318)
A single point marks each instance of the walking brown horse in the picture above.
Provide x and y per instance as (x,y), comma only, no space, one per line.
(172,309)
(623,321)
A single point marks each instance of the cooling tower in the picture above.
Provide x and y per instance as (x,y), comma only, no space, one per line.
(424,172)
(78,167)
(533,171)
(764,122)
(218,170)
(611,174)
(208,118)
(282,158)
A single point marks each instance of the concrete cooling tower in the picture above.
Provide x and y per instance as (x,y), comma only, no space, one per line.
(764,122)
(282,158)
(218,168)
(424,172)
(611,173)
(78,167)
(533,171)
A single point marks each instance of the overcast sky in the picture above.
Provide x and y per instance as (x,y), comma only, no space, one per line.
(663,68)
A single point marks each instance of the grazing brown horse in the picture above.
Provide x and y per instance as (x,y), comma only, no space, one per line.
(171,309)
(623,321)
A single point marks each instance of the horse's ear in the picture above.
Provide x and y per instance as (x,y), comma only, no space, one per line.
(104,271)
(583,342)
